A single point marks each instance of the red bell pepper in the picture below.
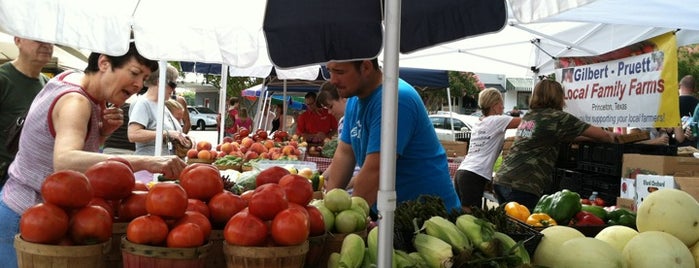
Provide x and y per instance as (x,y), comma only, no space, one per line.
(584,218)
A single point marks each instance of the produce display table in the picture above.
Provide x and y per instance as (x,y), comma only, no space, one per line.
(323,163)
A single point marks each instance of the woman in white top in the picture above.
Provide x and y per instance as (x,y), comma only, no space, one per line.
(487,138)
(143,117)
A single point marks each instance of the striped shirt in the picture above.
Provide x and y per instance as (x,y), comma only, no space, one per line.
(34,160)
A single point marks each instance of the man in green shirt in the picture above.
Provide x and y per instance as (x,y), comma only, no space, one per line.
(20,81)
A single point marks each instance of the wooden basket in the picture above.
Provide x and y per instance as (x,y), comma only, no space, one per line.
(316,246)
(198,160)
(40,255)
(216,257)
(145,256)
(265,257)
(113,258)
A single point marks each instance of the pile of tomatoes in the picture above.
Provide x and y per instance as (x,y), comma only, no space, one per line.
(277,213)
(76,208)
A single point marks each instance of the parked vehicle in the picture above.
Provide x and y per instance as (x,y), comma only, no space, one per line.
(202,117)
(463,124)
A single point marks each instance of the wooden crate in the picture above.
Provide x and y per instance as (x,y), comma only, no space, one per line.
(455,148)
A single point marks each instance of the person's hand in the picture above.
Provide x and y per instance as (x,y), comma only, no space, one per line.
(179,136)
(170,166)
(688,134)
(112,119)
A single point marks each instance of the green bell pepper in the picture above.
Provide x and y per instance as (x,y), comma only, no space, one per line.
(561,205)
(622,216)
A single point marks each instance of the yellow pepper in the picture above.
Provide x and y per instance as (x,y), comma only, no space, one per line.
(540,220)
(517,211)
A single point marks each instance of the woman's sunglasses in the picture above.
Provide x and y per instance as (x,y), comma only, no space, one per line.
(172,84)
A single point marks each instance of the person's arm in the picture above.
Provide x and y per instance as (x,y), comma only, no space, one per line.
(70,116)
(187,124)
(600,135)
(514,123)
(366,183)
(138,133)
(678,134)
(342,167)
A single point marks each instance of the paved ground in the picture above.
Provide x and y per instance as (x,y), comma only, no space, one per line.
(207,135)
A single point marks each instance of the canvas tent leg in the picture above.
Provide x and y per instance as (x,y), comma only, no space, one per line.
(222,101)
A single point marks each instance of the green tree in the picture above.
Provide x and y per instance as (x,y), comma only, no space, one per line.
(459,83)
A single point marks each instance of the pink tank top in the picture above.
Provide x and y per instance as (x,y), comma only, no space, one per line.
(34,160)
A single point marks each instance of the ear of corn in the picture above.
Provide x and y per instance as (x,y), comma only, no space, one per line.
(448,232)
(479,231)
(434,251)
(512,247)
(352,251)
(372,242)
(366,263)
(334,260)
(418,259)
(402,260)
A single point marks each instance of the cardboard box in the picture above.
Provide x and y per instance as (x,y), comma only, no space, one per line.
(638,164)
(626,203)
(646,184)
(455,148)
(688,182)
(635,164)
(628,188)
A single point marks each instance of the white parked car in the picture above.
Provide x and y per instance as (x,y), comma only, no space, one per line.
(202,117)
(442,122)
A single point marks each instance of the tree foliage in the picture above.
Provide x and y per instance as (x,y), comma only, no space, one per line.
(460,83)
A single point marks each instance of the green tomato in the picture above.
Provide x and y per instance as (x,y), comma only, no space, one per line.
(337,200)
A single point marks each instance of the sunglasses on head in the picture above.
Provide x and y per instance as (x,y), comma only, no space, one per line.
(172,84)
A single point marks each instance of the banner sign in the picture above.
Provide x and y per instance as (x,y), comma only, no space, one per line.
(635,86)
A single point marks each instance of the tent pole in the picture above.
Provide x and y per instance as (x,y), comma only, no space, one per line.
(451,116)
(222,111)
(386,196)
(159,117)
(285,105)
(550,37)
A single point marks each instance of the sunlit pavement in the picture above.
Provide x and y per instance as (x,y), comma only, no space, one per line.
(207,135)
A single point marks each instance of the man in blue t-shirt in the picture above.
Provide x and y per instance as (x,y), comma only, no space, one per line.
(421,162)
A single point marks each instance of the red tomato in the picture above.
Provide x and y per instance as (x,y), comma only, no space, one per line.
(133,206)
(167,200)
(67,189)
(247,195)
(201,182)
(244,229)
(140,186)
(43,223)
(298,189)
(267,201)
(111,179)
(122,160)
(147,230)
(223,206)
(262,133)
(290,227)
(90,225)
(199,206)
(599,202)
(104,204)
(300,208)
(198,219)
(271,175)
(186,235)
(315,217)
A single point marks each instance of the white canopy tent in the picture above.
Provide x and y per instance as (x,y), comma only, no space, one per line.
(230,32)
